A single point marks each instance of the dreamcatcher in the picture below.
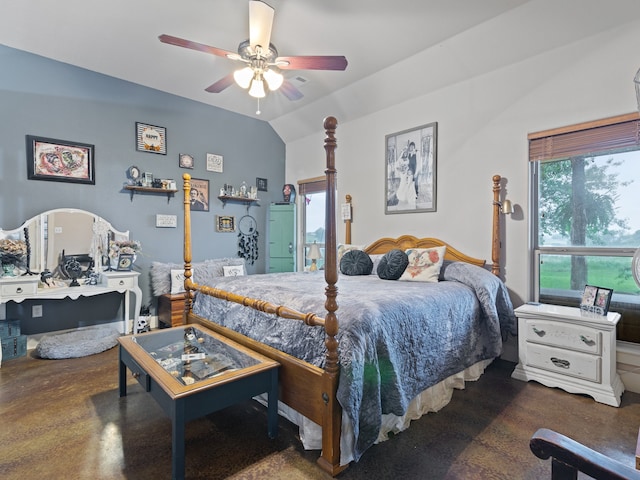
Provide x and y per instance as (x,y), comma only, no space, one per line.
(248,239)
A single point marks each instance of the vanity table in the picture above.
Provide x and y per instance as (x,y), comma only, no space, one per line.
(56,232)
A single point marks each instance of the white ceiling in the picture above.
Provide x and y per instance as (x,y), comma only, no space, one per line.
(120,38)
(429,43)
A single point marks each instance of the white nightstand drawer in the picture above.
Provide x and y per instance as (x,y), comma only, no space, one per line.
(557,334)
(565,362)
(19,286)
(120,282)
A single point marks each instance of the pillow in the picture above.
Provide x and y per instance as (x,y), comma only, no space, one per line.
(345,247)
(424,264)
(356,262)
(392,264)
(233,270)
(375,258)
(177,281)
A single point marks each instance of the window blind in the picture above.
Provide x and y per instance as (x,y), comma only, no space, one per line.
(312,185)
(615,134)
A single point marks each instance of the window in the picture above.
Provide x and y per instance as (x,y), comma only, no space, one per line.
(313,194)
(585,214)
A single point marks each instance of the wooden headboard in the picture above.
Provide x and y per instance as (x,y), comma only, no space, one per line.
(409,241)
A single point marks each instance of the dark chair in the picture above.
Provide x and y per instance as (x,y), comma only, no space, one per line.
(569,457)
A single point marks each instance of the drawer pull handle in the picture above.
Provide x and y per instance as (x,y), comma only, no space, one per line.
(121,282)
(540,333)
(587,341)
(19,290)
(136,375)
(558,362)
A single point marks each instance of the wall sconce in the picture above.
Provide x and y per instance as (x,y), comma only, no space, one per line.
(314,254)
(506,207)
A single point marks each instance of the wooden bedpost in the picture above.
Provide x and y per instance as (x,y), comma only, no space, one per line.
(188,293)
(347,227)
(332,418)
(495,239)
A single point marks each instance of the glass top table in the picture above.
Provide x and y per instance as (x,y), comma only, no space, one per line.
(191,372)
(191,355)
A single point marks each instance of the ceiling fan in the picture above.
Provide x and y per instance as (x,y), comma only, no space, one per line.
(260,57)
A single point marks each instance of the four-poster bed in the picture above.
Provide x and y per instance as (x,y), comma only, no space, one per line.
(372,376)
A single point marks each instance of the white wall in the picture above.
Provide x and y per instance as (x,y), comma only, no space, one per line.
(483,124)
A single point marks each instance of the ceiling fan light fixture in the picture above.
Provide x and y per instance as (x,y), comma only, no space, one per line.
(243,77)
(274,79)
(257,88)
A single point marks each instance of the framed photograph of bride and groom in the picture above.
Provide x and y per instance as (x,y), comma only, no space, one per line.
(410,158)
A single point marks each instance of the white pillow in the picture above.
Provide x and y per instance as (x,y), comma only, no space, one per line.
(424,264)
(233,270)
(177,281)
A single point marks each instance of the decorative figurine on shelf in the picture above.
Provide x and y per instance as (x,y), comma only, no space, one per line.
(289,193)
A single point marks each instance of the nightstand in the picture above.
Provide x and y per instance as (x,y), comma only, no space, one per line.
(567,348)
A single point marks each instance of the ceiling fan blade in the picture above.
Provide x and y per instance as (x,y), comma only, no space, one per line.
(320,62)
(221,84)
(181,42)
(260,23)
(290,91)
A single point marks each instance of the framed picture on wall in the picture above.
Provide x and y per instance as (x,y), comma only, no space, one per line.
(60,160)
(185,161)
(410,162)
(225,223)
(214,163)
(199,195)
(151,139)
(261,183)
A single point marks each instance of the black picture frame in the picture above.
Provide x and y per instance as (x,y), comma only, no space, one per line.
(411,170)
(125,262)
(151,138)
(596,299)
(185,160)
(261,183)
(56,160)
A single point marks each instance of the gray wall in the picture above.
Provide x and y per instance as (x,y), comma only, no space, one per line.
(46,98)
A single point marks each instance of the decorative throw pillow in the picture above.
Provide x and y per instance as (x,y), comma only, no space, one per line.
(424,264)
(346,247)
(375,258)
(177,281)
(356,262)
(233,270)
(392,265)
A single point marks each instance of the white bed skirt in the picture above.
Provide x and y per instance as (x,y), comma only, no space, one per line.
(430,400)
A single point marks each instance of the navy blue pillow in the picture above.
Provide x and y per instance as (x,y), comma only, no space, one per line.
(356,262)
(393,264)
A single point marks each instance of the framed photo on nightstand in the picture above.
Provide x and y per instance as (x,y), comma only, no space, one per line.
(596,299)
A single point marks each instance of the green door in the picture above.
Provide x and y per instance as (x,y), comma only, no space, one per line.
(282,238)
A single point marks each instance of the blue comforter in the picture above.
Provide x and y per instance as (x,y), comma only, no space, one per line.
(396,338)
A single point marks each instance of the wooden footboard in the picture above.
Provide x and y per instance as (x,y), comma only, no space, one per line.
(307,389)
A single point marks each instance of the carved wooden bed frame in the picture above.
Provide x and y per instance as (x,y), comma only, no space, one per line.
(308,389)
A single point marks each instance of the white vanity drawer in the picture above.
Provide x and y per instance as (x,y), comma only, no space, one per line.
(557,334)
(564,362)
(18,286)
(121,282)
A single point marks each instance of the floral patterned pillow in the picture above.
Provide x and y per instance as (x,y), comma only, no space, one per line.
(424,264)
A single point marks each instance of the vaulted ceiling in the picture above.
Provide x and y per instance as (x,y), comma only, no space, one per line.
(120,38)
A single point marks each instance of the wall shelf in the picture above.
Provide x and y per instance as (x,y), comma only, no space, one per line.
(135,189)
(228,198)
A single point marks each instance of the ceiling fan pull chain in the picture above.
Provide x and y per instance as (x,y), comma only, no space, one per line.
(258,110)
